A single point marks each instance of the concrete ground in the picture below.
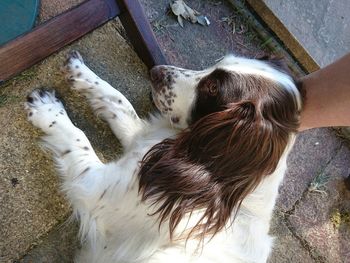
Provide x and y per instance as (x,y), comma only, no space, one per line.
(312,218)
(321,27)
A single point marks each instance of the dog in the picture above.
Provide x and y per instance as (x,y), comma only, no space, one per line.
(197,182)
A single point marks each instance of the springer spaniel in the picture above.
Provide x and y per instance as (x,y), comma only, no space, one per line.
(197,182)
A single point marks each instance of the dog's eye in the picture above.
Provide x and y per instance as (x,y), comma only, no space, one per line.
(175,119)
(212,87)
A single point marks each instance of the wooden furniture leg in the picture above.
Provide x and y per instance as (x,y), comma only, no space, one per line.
(32,47)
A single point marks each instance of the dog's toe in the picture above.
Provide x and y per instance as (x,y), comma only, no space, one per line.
(73,66)
(72,56)
(44,109)
(42,96)
(76,55)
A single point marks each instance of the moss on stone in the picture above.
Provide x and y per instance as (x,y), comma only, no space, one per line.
(339,218)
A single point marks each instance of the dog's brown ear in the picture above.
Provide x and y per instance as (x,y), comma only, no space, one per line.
(239,142)
(214,164)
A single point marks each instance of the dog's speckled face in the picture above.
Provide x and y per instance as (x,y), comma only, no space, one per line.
(184,96)
(174,91)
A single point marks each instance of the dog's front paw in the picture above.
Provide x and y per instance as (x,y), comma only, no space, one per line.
(45,110)
(72,66)
(78,74)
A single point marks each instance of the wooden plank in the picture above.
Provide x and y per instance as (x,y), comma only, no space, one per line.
(28,49)
(140,33)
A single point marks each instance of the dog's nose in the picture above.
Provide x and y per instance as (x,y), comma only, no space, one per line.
(157,74)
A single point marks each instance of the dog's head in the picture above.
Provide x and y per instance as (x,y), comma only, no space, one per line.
(184,96)
(240,115)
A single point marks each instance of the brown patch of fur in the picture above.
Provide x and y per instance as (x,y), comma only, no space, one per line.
(236,138)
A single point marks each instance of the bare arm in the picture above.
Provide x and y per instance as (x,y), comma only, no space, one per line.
(327,96)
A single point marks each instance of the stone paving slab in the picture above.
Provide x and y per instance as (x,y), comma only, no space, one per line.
(57,247)
(316,31)
(287,248)
(196,46)
(322,217)
(311,153)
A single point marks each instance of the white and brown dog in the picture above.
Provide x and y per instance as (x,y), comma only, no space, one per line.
(196,183)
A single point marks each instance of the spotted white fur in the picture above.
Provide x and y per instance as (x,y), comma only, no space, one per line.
(115,226)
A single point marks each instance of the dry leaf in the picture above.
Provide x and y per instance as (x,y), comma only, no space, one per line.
(183,11)
(180,21)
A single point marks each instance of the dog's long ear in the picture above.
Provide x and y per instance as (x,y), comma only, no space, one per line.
(242,142)
(216,163)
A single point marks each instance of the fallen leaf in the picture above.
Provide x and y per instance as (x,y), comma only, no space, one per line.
(177,7)
(180,21)
(183,11)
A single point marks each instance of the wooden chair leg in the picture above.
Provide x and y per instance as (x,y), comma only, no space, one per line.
(140,33)
(32,47)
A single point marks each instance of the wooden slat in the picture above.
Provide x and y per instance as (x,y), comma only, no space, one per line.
(140,33)
(28,49)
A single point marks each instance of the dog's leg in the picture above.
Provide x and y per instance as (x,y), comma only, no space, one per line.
(104,99)
(79,166)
